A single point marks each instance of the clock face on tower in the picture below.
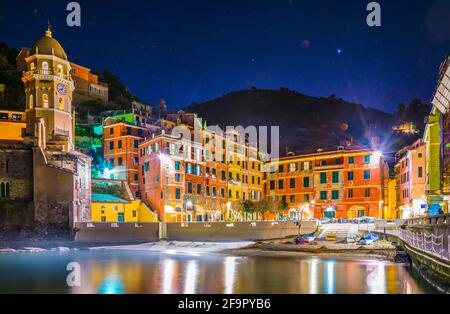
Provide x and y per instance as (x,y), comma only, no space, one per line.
(62,89)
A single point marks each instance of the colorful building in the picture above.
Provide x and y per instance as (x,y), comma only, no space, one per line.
(437,140)
(392,200)
(107,208)
(411,180)
(12,125)
(337,184)
(121,138)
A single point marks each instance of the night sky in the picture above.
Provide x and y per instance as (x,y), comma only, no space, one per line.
(195,50)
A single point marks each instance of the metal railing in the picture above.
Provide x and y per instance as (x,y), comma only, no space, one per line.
(427,243)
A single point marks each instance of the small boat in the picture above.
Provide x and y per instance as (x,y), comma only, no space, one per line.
(369,239)
(352,239)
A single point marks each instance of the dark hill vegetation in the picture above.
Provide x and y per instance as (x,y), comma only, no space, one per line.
(309,123)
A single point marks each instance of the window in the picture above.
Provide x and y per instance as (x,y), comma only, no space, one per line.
(306,197)
(367,192)
(119,144)
(367,159)
(45,100)
(111,162)
(292,183)
(31,102)
(280,168)
(111,131)
(351,160)
(199,189)
(178,178)
(323,178)
(350,176)
(224,176)
(420,172)
(189,187)
(177,193)
(59,70)
(292,167)
(334,195)
(222,193)
(45,67)
(207,191)
(292,199)
(350,193)
(32,66)
(366,174)
(323,195)
(306,182)
(420,155)
(111,145)
(272,185)
(237,194)
(229,194)
(280,184)
(214,192)
(4,190)
(335,177)
(177,166)
(136,144)
(120,161)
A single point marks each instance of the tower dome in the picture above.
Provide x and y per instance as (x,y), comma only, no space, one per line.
(47,45)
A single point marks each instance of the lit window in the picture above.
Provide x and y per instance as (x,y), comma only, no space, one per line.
(61,103)
(45,67)
(31,101)
(45,100)
(32,66)
(59,70)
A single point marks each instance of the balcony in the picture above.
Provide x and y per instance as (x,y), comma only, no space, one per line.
(47,73)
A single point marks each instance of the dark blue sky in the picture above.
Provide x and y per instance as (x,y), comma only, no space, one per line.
(195,50)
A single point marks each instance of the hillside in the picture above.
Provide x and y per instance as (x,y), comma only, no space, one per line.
(306,123)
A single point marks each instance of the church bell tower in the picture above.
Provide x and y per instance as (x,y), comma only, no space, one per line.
(48,89)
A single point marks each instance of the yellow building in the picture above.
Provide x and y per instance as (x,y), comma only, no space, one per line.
(392,200)
(109,208)
(12,124)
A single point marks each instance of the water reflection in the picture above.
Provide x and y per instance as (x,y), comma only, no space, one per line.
(329,277)
(149,272)
(229,273)
(191,277)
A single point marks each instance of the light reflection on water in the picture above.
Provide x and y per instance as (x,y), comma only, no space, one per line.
(112,272)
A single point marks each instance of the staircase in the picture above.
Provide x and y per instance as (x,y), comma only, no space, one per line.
(341,230)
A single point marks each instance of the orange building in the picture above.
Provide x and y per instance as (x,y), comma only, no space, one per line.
(12,125)
(121,151)
(411,180)
(339,184)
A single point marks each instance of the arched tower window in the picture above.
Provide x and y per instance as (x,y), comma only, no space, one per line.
(45,67)
(59,70)
(45,100)
(32,66)
(2,190)
(31,102)
(61,103)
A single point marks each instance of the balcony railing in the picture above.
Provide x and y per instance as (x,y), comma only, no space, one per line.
(47,72)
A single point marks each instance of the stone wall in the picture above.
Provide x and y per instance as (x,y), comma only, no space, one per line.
(238,231)
(16,164)
(204,232)
(124,232)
